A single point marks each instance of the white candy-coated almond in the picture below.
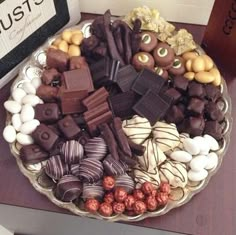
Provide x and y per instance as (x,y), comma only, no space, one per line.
(16,121)
(12,106)
(204,77)
(29,88)
(181,156)
(212,161)
(203,145)
(214,145)
(24,139)
(198,64)
(9,134)
(31,100)
(27,113)
(196,176)
(29,127)
(191,146)
(198,163)
(18,94)
(36,82)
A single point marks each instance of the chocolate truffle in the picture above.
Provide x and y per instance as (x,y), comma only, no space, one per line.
(126,182)
(47,93)
(96,148)
(74,169)
(91,170)
(72,151)
(143,60)
(68,188)
(163,55)
(178,67)
(148,41)
(55,168)
(93,191)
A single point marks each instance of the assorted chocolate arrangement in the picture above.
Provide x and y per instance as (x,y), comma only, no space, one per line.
(122,117)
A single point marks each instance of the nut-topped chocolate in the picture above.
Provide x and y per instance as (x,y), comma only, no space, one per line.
(148,41)
(143,60)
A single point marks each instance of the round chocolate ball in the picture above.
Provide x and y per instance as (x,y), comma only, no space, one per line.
(93,190)
(161,72)
(139,207)
(178,67)
(108,183)
(143,60)
(109,198)
(151,203)
(118,207)
(68,188)
(105,209)
(148,41)
(162,198)
(147,188)
(129,202)
(120,194)
(92,205)
(138,195)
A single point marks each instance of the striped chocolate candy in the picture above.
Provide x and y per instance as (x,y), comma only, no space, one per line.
(68,188)
(93,191)
(126,182)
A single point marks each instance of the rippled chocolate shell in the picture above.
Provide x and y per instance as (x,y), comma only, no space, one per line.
(96,148)
(125,182)
(72,151)
(68,188)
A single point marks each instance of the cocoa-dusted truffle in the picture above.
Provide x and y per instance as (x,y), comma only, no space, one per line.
(148,41)
(68,188)
(143,60)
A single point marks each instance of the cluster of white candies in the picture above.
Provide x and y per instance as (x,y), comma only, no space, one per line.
(200,155)
(21,106)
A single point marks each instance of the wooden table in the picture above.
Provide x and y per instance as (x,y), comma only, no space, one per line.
(211,212)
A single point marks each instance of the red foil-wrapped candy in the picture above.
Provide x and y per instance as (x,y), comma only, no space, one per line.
(120,194)
(118,207)
(151,203)
(105,209)
(139,207)
(138,195)
(129,202)
(147,188)
(108,183)
(92,205)
(109,198)
(162,198)
(154,193)
(165,188)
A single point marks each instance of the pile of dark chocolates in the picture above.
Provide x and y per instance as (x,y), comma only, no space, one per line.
(86,98)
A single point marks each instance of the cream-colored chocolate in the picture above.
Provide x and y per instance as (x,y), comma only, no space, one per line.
(174,173)
(141,176)
(204,77)
(198,64)
(137,129)
(152,157)
(216,73)
(189,75)
(166,136)
(190,55)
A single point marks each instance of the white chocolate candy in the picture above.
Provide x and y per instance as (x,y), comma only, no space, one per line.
(141,176)
(27,113)
(29,88)
(33,100)
(214,145)
(203,144)
(36,82)
(181,156)
(152,157)
(12,106)
(196,176)
(18,94)
(9,134)
(198,163)
(166,135)
(29,127)
(191,146)
(174,173)
(212,161)
(24,139)
(16,121)
(137,129)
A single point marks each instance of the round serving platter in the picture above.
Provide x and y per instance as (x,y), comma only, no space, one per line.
(33,68)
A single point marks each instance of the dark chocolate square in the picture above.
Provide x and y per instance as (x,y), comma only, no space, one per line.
(48,112)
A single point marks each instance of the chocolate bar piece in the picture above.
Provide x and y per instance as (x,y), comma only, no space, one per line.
(77,62)
(57,59)
(45,137)
(147,80)
(196,106)
(95,99)
(173,94)
(121,104)
(78,79)
(50,75)
(94,123)
(126,77)
(151,106)
(68,127)
(96,112)
(47,93)
(33,154)
(48,112)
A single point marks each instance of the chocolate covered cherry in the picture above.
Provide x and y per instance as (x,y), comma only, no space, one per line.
(143,60)
(148,41)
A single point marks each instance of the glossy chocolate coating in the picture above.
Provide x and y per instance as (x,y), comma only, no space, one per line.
(143,60)
(48,113)
(148,41)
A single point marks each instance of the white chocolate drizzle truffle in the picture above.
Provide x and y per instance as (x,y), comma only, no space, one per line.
(166,136)
(174,173)
(152,157)
(137,129)
(141,176)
